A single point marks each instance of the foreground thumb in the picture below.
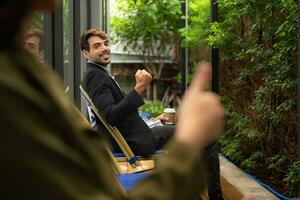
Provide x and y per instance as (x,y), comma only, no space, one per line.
(202,77)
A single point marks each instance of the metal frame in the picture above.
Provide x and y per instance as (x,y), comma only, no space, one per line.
(298,99)
(76,51)
(89,6)
(214,50)
(184,51)
(82,15)
(95,6)
(104,15)
(53,32)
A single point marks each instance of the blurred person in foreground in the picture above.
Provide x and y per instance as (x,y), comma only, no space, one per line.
(46,152)
(33,43)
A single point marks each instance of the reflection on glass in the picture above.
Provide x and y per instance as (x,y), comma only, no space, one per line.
(33,43)
(68,70)
(66,29)
(33,39)
(37,20)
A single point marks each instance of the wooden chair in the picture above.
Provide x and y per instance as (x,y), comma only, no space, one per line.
(126,179)
(129,163)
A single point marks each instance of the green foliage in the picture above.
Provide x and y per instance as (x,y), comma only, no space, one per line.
(277,162)
(258,51)
(192,69)
(37,20)
(233,149)
(153,108)
(254,161)
(198,23)
(238,125)
(238,132)
(292,177)
(149,27)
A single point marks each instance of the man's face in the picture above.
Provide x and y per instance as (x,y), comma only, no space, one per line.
(99,51)
(32,44)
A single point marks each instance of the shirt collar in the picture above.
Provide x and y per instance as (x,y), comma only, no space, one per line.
(101,66)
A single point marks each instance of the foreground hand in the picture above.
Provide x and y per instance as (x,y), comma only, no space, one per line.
(200,118)
(143,79)
(247,198)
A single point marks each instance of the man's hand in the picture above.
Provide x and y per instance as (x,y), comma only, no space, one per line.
(201,114)
(143,79)
(162,117)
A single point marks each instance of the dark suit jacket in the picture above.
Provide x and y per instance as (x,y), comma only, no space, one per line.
(119,110)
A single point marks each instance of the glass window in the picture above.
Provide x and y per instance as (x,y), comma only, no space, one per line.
(33,40)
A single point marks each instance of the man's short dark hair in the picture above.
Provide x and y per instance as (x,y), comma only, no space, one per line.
(84,45)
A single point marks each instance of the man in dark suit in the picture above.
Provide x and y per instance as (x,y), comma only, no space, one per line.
(121,110)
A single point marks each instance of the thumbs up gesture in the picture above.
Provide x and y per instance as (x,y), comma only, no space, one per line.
(200,118)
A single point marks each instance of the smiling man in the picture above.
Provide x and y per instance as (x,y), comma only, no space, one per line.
(95,47)
(119,110)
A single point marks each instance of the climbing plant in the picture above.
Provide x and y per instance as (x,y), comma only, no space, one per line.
(258,83)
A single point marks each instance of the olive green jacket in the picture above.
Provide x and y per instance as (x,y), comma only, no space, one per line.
(48,152)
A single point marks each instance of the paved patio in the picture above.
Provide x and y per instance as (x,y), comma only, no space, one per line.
(235,184)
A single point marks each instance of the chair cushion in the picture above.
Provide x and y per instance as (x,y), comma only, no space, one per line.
(128,181)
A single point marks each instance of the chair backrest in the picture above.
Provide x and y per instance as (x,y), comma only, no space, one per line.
(91,115)
(115,164)
(118,137)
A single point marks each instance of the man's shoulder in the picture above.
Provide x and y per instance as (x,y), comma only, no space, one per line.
(94,76)
(94,70)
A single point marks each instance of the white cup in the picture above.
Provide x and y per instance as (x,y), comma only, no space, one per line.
(170,113)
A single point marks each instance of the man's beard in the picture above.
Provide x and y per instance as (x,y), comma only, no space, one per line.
(104,53)
(103,61)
